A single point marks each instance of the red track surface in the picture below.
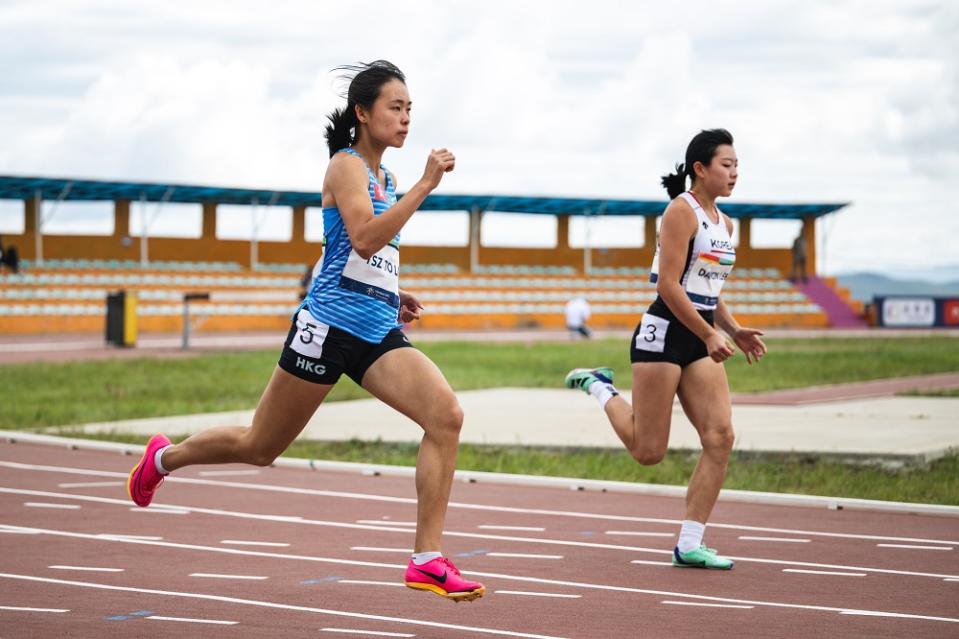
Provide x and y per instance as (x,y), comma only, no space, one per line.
(304,587)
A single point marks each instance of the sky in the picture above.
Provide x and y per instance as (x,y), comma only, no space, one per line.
(840,101)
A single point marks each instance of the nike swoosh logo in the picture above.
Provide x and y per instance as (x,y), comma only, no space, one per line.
(439,578)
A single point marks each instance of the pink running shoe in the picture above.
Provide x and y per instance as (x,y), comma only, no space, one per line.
(144,479)
(440,576)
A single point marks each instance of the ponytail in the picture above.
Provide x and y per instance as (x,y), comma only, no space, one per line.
(340,132)
(675,183)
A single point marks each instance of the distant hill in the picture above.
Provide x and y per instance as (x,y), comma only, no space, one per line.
(864,286)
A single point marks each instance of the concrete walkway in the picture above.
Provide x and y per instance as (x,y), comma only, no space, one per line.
(889,427)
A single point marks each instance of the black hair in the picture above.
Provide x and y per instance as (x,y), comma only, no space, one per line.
(366,79)
(701,148)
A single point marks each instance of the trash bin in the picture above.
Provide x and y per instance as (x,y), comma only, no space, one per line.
(121,319)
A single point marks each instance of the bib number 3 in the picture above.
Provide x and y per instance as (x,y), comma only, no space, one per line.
(652,334)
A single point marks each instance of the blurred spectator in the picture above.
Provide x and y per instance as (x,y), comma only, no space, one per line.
(577,312)
(799,258)
(9,257)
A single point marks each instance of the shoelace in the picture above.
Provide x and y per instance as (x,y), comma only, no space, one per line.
(449,564)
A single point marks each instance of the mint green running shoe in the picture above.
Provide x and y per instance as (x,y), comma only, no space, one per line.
(582,378)
(700,558)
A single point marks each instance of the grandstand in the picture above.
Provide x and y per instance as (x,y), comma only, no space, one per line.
(254,285)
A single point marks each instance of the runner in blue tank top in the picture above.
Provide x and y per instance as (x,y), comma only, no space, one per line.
(349,324)
(676,349)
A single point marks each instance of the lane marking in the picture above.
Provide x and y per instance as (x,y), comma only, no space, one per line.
(375,633)
(86,568)
(212,621)
(91,484)
(279,606)
(532,540)
(632,533)
(788,540)
(833,573)
(385,522)
(141,537)
(365,582)
(707,605)
(950,579)
(7,531)
(481,507)
(24,609)
(160,510)
(537,594)
(213,575)
(519,555)
(406,551)
(227,473)
(269,544)
(647,562)
(534,580)
(912,547)
(516,528)
(40,504)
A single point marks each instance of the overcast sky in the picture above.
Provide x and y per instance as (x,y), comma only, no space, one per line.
(829,101)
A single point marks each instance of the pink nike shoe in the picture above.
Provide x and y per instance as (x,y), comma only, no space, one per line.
(440,576)
(144,479)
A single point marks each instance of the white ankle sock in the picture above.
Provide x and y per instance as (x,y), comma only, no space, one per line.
(156,461)
(690,535)
(603,392)
(420,558)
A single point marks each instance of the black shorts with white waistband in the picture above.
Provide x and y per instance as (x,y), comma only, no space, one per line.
(661,337)
(320,353)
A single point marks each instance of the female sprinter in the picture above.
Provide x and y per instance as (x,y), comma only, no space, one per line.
(349,324)
(676,350)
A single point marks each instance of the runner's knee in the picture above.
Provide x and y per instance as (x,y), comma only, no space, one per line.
(256,453)
(648,455)
(446,419)
(718,439)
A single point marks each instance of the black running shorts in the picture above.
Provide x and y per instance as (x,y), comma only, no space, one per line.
(661,337)
(319,353)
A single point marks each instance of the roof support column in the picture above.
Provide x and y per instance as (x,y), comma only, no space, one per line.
(476,218)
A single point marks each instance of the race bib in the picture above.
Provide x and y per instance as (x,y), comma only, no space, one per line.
(652,334)
(377,277)
(310,335)
(707,276)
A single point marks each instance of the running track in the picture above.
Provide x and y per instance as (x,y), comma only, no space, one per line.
(233,551)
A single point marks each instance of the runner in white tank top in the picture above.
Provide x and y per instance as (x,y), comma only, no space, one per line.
(676,349)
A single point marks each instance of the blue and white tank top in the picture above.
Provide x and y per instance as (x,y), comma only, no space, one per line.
(356,295)
(709,260)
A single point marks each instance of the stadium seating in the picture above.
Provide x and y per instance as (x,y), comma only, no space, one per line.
(69,295)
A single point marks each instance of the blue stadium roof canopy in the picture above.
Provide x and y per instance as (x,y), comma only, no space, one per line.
(22,188)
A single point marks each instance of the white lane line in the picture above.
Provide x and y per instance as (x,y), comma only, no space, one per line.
(212,621)
(279,606)
(537,594)
(141,537)
(647,562)
(707,605)
(213,575)
(407,551)
(913,547)
(86,568)
(227,473)
(950,579)
(538,581)
(160,510)
(91,484)
(372,633)
(633,533)
(788,540)
(480,507)
(17,532)
(385,522)
(23,609)
(40,504)
(269,544)
(832,573)
(520,555)
(516,528)
(364,582)
(485,537)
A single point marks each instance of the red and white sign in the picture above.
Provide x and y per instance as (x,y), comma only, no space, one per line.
(950,312)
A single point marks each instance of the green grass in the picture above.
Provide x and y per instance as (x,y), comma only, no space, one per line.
(933,483)
(942,392)
(37,395)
